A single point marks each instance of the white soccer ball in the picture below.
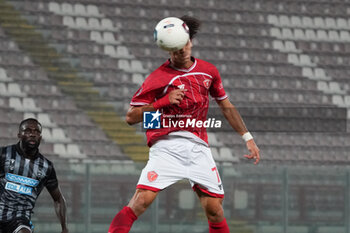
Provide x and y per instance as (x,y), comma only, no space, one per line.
(171,34)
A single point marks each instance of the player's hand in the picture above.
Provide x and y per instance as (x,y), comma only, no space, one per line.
(254,151)
(176,96)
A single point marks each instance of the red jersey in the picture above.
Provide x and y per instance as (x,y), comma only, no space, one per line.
(200,80)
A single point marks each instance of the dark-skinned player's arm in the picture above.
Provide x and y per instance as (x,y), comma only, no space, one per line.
(235,120)
(60,208)
(135,113)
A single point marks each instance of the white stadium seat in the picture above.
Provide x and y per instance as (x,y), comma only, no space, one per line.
(81,23)
(79,9)
(66,9)
(94,23)
(54,7)
(92,10)
(69,21)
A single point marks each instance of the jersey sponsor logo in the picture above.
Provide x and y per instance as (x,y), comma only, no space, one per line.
(207,83)
(151,120)
(152,176)
(18,188)
(22,180)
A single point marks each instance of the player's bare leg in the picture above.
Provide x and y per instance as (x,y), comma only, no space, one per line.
(214,212)
(141,200)
(138,204)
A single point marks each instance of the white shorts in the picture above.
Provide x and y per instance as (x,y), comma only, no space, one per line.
(175,158)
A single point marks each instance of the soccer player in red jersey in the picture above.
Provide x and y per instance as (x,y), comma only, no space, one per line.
(180,88)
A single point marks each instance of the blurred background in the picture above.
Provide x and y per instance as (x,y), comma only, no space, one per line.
(74,65)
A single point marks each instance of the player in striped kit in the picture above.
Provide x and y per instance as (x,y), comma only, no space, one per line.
(24,172)
(181,88)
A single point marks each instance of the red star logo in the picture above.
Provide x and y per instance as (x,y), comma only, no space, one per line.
(152,176)
(207,83)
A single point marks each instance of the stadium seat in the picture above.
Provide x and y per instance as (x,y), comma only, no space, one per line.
(335,88)
(23,105)
(212,139)
(3,76)
(323,86)
(138,78)
(296,21)
(333,35)
(137,67)
(299,34)
(226,154)
(342,23)
(69,21)
(322,35)
(338,100)
(310,34)
(215,153)
(13,89)
(107,24)
(108,37)
(66,9)
(73,149)
(96,36)
(43,118)
(330,23)
(81,23)
(284,21)
(79,9)
(94,24)
(307,22)
(58,135)
(55,7)
(290,46)
(347,101)
(344,36)
(92,10)
(273,19)
(124,64)
(319,22)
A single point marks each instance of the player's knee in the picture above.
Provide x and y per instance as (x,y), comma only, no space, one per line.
(215,214)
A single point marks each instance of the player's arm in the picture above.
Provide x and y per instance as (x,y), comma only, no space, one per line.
(60,207)
(135,113)
(235,120)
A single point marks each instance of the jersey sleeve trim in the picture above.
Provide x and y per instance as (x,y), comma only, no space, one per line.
(138,103)
(221,98)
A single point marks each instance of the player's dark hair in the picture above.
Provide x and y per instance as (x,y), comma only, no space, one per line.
(28,120)
(192,23)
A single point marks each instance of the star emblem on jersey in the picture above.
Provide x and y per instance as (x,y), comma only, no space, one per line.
(152,176)
(207,83)
(151,120)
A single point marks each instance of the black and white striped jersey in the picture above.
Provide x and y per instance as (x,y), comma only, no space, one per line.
(21,181)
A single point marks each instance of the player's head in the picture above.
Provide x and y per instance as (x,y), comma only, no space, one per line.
(29,133)
(182,57)
(192,23)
